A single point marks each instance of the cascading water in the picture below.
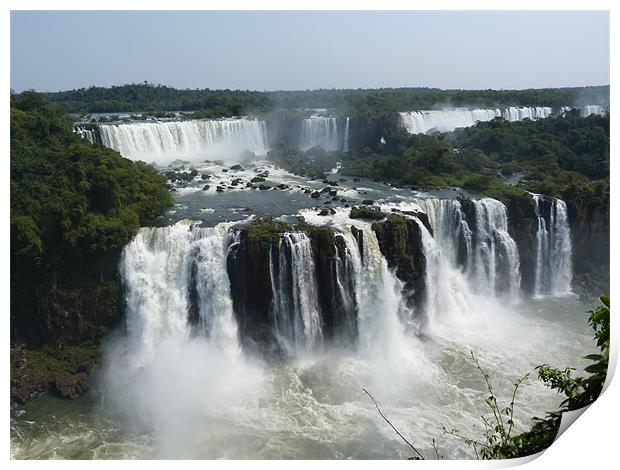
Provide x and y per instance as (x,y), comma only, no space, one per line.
(195,140)
(161,268)
(592,109)
(297,318)
(378,295)
(85,133)
(319,131)
(183,387)
(422,122)
(482,248)
(345,142)
(496,266)
(553,275)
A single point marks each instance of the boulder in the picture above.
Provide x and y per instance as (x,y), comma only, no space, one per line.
(67,385)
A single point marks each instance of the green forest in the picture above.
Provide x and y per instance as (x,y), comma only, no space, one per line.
(73,207)
(148,97)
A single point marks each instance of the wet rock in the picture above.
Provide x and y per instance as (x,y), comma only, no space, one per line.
(205,176)
(323,212)
(257,179)
(368,202)
(224,170)
(400,241)
(366,213)
(219,189)
(333,192)
(315,195)
(67,385)
(178,164)
(236,168)
(264,187)
(205,187)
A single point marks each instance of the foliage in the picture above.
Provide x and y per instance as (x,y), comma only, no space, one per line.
(352,102)
(74,205)
(366,213)
(69,197)
(313,163)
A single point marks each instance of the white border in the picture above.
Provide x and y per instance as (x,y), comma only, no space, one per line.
(589,443)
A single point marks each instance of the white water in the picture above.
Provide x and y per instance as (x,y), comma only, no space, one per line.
(592,109)
(296,313)
(157,268)
(496,257)
(422,122)
(553,249)
(84,133)
(319,131)
(490,255)
(197,140)
(171,389)
(345,144)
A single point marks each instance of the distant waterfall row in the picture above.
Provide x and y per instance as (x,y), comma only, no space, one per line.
(297,290)
(423,122)
(324,132)
(197,140)
(192,140)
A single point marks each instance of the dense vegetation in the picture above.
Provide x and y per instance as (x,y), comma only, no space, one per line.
(73,207)
(354,102)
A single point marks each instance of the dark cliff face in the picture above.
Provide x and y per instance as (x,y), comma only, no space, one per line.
(522,226)
(252,284)
(590,236)
(400,241)
(76,304)
(332,267)
(287,131)
(366,132)
(248,266)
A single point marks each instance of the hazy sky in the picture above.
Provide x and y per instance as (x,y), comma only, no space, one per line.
(300,50)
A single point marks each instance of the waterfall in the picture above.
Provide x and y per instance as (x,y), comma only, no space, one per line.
(482,248)
(296,315)
(422,122)
(167,272)
(378,295)
(496,266)
(195,140)
(345,143)
(517,114)
(319,131)
(450,229)
(592,109)
(85,133)
(553,275)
